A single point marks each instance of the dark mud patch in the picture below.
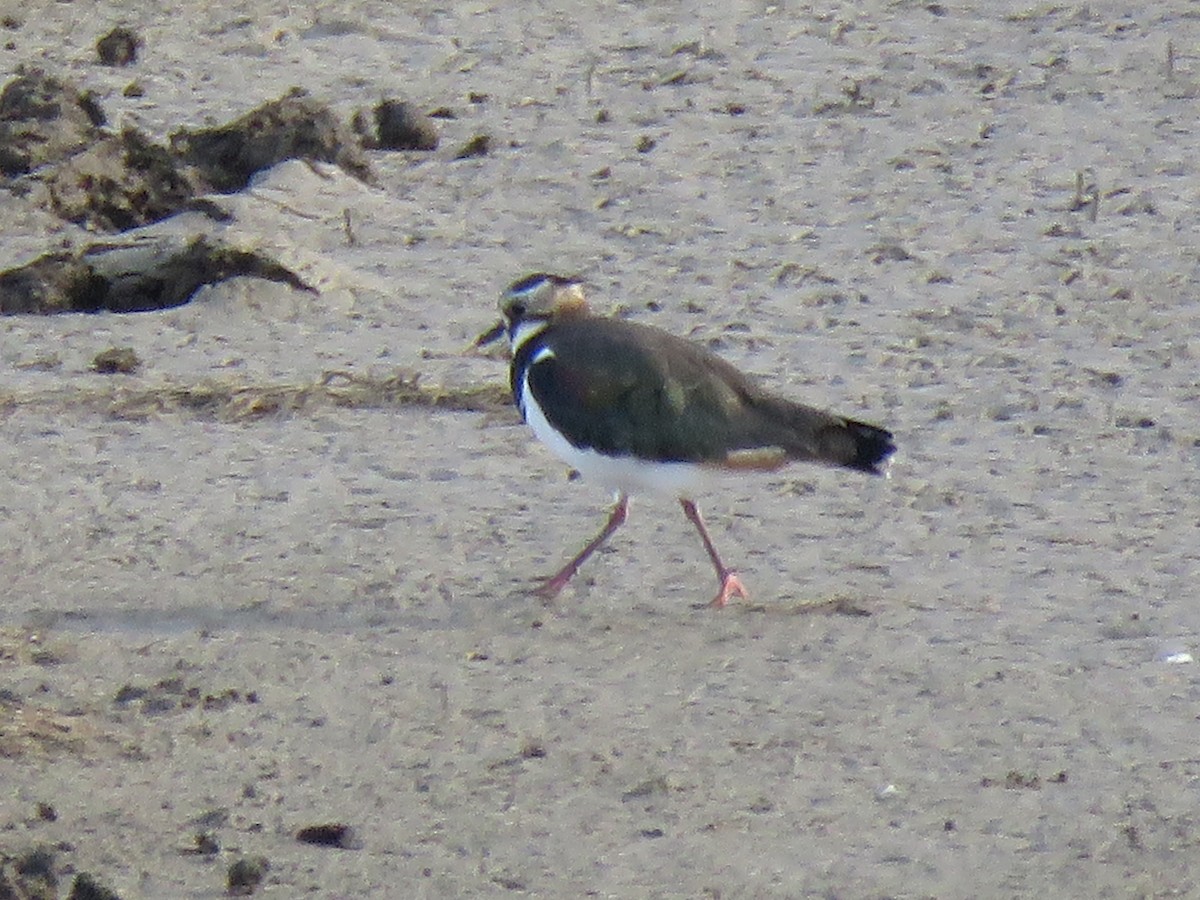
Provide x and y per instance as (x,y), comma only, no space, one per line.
(37,873)
(174,694)
(396,125)
(135,277)
(53,145)
(44,120)
(245,875)
(293,127)
(119,182)
(120,47)
(339,835)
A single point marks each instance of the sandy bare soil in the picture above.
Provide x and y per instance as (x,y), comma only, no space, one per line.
(975,224)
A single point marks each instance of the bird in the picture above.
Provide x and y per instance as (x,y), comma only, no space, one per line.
(641,410)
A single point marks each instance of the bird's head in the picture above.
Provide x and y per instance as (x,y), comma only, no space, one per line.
(529,304)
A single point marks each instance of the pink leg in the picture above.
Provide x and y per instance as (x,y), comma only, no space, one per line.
(551,586)
(731,585)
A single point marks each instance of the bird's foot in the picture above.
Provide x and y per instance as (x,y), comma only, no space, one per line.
(731,586)
(552,586)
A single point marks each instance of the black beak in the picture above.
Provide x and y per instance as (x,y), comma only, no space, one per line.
(491,335)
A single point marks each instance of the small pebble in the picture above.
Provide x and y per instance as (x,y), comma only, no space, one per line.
(887,792)
(1175,657)
(337,835)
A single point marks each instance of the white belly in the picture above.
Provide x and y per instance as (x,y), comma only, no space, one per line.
(620,473)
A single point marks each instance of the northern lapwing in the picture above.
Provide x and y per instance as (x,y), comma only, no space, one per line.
(639,409)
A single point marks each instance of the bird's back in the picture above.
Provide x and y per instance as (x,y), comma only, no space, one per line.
(626,389)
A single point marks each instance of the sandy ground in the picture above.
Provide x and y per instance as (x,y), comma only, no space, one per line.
(968,680)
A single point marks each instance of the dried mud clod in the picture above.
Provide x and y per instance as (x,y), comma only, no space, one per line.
(135,277)
(29,875)
(52,140)
(44,120)
(204,843)
(116,361)
(245,875)
(172,695)
(34,875)
(398,125)
(338,835)
(86,887)
(120,182)
(294,126)
(120,47)
(480,145)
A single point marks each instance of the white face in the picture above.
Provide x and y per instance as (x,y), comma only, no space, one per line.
(526,310)
(522,331)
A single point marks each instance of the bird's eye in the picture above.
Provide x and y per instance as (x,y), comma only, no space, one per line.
(516,310)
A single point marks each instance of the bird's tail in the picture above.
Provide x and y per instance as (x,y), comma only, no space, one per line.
(812,434)
(857,445)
